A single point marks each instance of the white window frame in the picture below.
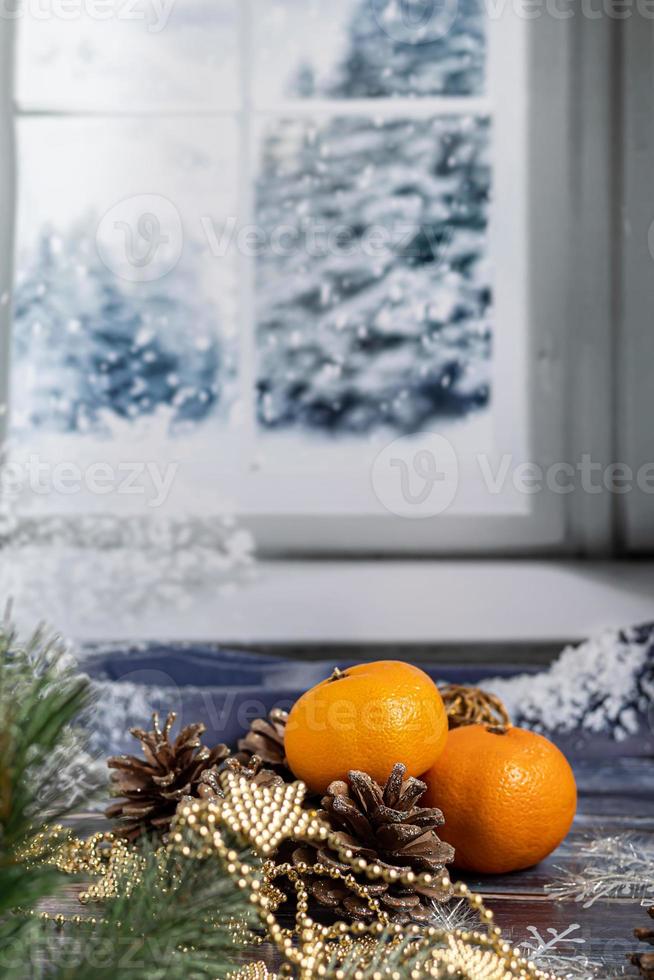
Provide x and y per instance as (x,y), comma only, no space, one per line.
(7,208)
(572,69)
(634,214)
(571,72)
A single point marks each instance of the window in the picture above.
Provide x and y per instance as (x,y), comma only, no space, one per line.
(279,246)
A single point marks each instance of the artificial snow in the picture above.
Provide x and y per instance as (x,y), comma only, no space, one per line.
(602,685)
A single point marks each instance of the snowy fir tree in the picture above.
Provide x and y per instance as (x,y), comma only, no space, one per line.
(374,304)
(87,344)
(413,48)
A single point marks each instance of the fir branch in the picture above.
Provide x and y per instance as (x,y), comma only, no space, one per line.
(20,937)
(385,955)
(39,698)
(176,918)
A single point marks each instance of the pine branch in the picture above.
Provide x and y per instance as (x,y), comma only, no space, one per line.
(20,938)
(400,959)
(39,698)
(176,919)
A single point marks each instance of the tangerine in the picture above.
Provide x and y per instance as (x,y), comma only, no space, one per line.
(508,796)
(368,717)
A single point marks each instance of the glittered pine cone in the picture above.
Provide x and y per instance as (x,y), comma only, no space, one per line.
(645,961)
(152,787)
(265,740)
(384,826)
(209,785)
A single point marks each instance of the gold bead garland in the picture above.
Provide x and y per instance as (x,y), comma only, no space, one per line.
(252,971)
(263,817)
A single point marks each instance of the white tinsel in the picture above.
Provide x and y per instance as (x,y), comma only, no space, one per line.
(455,914)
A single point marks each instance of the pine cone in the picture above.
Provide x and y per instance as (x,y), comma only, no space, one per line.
(152,787)
(209,786)
(645,961)
(384,826)
(266,741)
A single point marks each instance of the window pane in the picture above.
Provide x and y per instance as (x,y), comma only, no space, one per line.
(125,56)
(374,291)
(122,314)
(368,48)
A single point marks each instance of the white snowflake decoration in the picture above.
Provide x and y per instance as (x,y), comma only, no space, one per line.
(556,952)
(619,866)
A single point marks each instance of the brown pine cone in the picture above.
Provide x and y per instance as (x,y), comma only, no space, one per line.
(152,787)
(265,740)
(384,826)
(209,785)
(645,961)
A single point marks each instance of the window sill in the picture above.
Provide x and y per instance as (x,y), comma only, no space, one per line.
(367,602)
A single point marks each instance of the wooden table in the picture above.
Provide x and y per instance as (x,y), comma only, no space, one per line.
(616,797)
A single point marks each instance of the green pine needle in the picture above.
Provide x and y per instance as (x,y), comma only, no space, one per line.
(39,698)
(176,922)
